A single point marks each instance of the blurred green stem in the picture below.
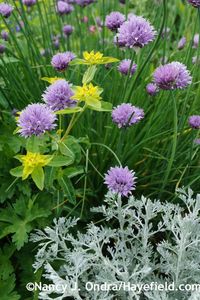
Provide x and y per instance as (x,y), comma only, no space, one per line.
(174,143)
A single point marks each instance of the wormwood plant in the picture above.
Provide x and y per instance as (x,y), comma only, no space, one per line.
(146,241)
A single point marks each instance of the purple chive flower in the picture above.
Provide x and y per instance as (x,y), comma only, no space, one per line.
(120,180)
(197,141)
(2,48)
(152,89)
(98,21)
(35,119)
(57,95)
(125,65)
(29,3)
(5,10)
(182,43)
(172,76)
(114,20)
(196,41)
(60,61)
(68,29)
(195,3)
(84,19)
(4,35)
(126,114)
(84,3)
(64,8)
(56,43)
(136,32)
(195,60)
(194,121)
(69,1)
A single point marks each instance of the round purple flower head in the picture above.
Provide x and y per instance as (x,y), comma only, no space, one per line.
(4,35)
(56,43)
(195,60)
(152,89)
(114,20)
(125,115)
(197,141)
(2,48)
(125,65)
(136,32)
(99,22)
(5,10)
(68,29)
(120,180)
(29,3)
(64,8)
(60,61)
(69,1)
(182,43)
(172,76)
(35,119)
(84,3)
(57,95)
(196,41)
(194,121)
(195,3)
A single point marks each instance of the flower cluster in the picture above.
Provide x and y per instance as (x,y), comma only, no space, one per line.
(31,161)
(5,9)
(68,29)
(172,76)
(194,121)
(195,3)
(94,58)
(64,8)
(126,114)
(35,119)
(120,180)
(58,95)
(127,67)
(114,20)
(136,32)
(60,61)
(182,43)
(84,3)
(29,3)
(152,89)
(88,93)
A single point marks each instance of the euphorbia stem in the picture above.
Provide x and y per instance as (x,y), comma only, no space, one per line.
(72,122)
(69,127)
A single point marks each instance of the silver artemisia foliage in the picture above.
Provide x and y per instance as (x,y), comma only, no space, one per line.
(151,242)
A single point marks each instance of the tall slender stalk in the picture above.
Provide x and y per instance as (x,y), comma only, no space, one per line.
(174,142)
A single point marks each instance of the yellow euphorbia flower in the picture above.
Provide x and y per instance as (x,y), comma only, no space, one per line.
(31,161)
(93,58)
(88,93)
